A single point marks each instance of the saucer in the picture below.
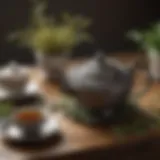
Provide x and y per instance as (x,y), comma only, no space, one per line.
(29,89)
(15,133)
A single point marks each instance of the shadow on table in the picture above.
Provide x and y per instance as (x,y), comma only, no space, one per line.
(33,147)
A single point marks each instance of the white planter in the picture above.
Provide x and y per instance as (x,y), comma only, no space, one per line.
(51,65)
(154,64)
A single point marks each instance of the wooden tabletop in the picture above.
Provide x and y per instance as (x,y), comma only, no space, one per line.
(85,141)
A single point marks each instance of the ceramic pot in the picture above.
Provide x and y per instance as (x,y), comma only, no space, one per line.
(51,65)
(99,82)
(154,64)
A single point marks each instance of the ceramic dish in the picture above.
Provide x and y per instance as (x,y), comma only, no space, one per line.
(29,90)
(30,126)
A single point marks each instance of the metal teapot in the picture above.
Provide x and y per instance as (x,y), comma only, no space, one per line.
(100,81)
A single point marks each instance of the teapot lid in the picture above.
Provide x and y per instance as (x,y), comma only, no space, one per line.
(97,73)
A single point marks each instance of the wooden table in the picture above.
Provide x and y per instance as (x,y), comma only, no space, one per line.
(83,142)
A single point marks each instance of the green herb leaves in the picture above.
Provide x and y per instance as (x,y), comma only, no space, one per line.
(49,35)
(149,38)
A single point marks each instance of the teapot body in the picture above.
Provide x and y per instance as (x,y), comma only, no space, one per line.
(100,83)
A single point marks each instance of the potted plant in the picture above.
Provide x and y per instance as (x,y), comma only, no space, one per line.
(149,40)
(52,40)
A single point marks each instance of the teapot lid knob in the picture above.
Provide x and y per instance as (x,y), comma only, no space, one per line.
(100,58)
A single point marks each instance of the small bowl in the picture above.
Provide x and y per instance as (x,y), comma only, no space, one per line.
(29,117)
(29,121)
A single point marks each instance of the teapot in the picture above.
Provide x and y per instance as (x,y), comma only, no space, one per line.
(100,81)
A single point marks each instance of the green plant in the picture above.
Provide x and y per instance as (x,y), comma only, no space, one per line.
(149,38)
(48,35)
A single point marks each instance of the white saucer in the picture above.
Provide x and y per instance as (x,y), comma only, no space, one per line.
(14,133)
(30,89)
